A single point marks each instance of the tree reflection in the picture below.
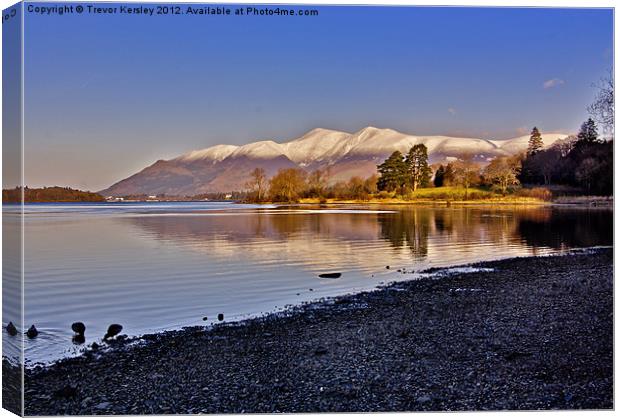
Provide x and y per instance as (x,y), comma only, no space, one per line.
(565,229)
(408,227)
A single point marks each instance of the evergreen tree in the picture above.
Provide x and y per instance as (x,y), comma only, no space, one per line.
(535,143)
(393,173)
(418,171)
(449,176)
(439,175)
(588,133)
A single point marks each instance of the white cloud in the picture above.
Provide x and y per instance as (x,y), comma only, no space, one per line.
(452,111)
(554,82)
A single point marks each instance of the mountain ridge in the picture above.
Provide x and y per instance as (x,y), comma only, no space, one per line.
(225,168)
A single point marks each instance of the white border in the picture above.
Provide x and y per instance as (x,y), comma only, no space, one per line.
(488,3)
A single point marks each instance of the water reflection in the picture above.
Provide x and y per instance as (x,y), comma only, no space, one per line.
(152,270)
(565,229)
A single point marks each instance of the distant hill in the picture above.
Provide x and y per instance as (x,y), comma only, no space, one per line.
(50,194)
(226,168)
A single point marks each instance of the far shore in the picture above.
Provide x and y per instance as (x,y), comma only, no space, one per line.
(518,334)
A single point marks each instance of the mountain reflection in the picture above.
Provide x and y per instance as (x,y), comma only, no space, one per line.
(345,237)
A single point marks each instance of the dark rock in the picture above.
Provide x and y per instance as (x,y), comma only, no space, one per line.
(78,328)
(319,351)
(113,330)
(204,318)
(32,332)
(78,339)
(330,275)
(387,267)
(220,317)
(10,328)
(66,392)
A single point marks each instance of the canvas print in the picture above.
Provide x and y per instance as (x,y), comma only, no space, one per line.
(250,208)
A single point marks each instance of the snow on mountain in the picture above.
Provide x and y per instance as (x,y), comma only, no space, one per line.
(215,153)
(260,150)
(317,145)
(514,145)
(224,168)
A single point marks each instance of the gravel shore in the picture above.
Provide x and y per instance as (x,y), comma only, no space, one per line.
(532,333)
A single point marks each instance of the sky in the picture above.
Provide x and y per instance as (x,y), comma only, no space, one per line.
(107,95)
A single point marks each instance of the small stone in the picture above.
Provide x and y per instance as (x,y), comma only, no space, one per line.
(10,328)
(220,317)
(32,332)
(320,351)
(423,399)
(113,330)
(102,405)
(78,328)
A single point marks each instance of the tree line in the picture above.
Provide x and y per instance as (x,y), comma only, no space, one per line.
(49,194)
(584,161)
(292,184)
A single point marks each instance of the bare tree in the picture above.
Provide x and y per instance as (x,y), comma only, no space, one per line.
(258,183)
(503,171)
(602,110)
(466,173)
(287,185)
(317,182)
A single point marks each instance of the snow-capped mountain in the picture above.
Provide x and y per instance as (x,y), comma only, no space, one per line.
(223,168)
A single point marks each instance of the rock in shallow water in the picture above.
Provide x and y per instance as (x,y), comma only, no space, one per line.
(32,332)
(113,330)
(10,328)
(330,275)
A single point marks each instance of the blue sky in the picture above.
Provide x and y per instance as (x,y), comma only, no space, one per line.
(108,94)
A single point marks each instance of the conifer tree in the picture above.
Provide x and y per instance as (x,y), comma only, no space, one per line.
(439,174)
(393,173)
(588,133)
(535,143)
(418,171)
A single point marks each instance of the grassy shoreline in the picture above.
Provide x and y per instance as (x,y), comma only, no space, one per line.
(526,333)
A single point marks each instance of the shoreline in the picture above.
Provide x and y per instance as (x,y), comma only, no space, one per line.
(323,342)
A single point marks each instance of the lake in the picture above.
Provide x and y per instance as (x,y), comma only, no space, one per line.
(161,266)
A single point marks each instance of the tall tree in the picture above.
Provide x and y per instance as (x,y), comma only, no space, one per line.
(418,171)
(588,133)
(317,182)
(258,183)
(535,144)
(392,173)
(449,178)
(287,185)
(439,175)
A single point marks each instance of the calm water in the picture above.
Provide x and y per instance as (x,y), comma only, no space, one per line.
(157,266)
